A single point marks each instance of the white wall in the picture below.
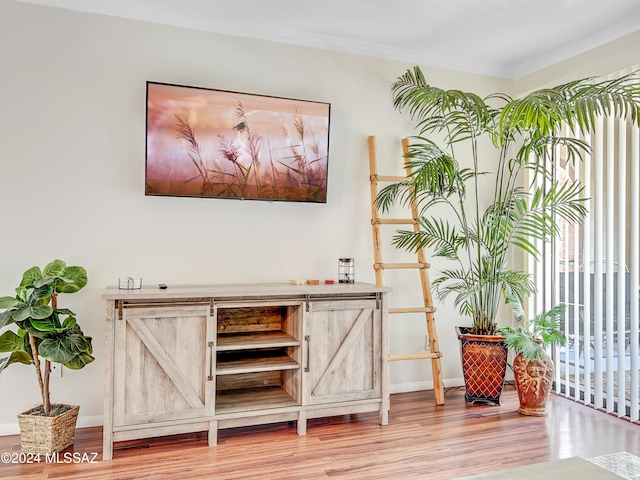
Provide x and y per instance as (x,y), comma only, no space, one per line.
(72,137)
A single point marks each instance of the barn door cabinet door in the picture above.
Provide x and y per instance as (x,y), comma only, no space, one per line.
(164,364)
(343,351)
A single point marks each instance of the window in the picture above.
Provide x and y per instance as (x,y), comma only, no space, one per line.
(593,269)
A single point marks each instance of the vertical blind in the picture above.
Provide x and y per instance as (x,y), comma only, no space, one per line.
(593,269)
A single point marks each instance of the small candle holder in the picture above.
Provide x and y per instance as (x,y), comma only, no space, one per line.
(346,270)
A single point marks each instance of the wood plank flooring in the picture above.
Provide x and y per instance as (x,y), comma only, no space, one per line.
(421,441)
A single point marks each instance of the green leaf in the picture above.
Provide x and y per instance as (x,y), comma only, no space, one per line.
(43,294)
(10,342)
(6,318)
(38,312)
(26,326)
(39,295)
(78,343)
(31,276)
(79,361)
(74,279)
(9,302)
(56,350)
(69,322)
(45,325)
(15,357)
(20,357)
(55,268)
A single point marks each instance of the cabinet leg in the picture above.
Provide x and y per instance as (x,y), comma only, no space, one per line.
(384,417)
(107,450)
(213,433)
(107,443)
(302,423)
(385,406)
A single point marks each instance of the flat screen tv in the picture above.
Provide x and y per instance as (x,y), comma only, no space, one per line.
(203,142)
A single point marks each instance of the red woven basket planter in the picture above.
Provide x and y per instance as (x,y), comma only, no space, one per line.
(484,365)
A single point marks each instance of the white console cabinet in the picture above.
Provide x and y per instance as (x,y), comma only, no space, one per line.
(206,357)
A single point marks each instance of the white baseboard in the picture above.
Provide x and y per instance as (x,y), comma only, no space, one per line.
(419,386)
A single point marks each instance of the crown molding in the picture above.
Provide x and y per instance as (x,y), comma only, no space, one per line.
(595,40)
(177,17)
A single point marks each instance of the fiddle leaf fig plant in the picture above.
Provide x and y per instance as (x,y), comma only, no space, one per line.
(35,328)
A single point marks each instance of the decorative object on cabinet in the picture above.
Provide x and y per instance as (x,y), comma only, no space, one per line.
(346,270)
(211,143)
(130,283)
(256,354)
(50,333)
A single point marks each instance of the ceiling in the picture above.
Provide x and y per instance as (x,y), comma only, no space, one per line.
(506,38)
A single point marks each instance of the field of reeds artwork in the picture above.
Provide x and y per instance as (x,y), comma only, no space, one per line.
(213,143)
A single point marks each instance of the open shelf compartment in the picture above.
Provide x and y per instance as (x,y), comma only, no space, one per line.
(258,357)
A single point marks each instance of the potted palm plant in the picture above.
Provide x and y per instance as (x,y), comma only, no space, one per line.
(38,333)
(470,165)
(533,368)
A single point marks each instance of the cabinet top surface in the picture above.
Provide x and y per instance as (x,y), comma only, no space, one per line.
(240,290)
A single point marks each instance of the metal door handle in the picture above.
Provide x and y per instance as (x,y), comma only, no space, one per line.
(210,344)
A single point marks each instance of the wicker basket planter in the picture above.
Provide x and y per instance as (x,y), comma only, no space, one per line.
(484,365)
(40,434)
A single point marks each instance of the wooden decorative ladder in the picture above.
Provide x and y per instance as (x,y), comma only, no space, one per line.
(422,266)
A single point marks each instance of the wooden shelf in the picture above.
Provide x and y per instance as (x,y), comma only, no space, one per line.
(246,341)
(258,364)
(252,399)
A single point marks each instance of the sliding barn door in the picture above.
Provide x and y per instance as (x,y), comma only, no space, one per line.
(162,364)
(342,351)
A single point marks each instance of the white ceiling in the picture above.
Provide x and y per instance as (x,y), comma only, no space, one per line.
(506,38)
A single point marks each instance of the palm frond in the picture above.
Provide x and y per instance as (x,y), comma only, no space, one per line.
(537,334)
(460,114)
(578,103)
(527,134)
(435,233)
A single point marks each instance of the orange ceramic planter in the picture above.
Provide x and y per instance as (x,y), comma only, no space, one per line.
(533,381)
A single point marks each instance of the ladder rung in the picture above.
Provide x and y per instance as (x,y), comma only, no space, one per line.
(389,178)
(393,221)
(396,266)
(415,356)
(412,310)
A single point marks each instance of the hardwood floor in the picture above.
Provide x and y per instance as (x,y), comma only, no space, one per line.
(421,441)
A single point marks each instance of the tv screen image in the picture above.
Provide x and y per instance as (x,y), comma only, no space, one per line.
(212,143)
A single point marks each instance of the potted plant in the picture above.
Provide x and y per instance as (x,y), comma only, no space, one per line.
(38,333)
(480,180)
(533,368)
